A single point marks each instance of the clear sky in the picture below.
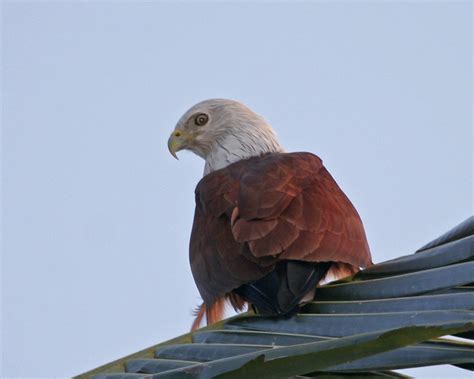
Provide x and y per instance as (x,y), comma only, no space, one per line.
(96,212)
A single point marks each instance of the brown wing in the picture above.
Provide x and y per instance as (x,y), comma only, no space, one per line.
(257,212)
(218,262)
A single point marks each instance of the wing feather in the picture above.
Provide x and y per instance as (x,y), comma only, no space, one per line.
(257,212)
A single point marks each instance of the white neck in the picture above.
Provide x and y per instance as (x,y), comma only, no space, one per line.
(233,148)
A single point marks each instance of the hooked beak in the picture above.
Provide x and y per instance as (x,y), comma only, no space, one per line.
(176,142)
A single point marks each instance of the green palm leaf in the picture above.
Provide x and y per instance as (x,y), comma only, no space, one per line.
(384,318)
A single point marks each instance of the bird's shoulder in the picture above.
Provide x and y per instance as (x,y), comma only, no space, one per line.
(269,164)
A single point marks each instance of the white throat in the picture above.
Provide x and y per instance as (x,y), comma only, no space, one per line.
(232,148)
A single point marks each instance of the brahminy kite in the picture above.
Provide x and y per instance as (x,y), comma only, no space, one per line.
(269,226)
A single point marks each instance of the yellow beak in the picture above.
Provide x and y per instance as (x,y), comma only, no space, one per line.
(176,142)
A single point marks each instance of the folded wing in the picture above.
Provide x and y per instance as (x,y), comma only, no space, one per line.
(255,218)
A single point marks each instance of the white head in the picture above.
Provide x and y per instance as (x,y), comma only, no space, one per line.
(223,132)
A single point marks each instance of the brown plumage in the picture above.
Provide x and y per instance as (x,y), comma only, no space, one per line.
(216,311)
(269,226)
(257,212)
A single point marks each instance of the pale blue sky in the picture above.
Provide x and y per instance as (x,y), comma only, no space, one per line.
(97,214)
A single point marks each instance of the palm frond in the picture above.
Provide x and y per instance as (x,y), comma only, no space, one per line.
(390,316)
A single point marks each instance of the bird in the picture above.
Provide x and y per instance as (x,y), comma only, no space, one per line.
(269,226)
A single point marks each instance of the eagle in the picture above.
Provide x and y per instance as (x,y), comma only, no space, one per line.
(269,225)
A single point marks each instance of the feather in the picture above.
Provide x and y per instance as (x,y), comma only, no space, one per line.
(198,314)
(256,214)
(213,313)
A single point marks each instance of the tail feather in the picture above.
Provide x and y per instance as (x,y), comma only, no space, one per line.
(339,270)
(213,314)
(237,302)
(216,312)
(199,313)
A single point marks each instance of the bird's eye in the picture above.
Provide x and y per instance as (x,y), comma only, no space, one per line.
(201,119)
